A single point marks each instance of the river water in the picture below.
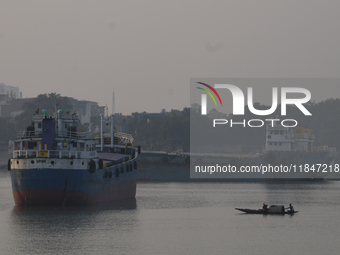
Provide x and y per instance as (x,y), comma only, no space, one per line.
(180,218)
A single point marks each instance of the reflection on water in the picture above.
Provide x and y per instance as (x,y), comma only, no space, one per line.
(72,229)
(128,204)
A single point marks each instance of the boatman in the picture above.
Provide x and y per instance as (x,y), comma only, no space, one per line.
(265,207)
(291,208)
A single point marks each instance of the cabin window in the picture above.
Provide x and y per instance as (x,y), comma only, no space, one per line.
(31,145)
(74,145)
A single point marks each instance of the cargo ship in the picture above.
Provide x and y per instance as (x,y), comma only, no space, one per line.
(53,163)
(284,146)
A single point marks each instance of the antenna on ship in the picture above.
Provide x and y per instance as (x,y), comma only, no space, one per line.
(112,120)
(113,103)
(54,103)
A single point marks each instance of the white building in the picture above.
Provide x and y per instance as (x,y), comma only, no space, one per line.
(10,91)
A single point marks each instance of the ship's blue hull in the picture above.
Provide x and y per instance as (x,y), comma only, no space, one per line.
(72,186)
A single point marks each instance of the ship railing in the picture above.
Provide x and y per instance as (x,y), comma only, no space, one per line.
(60,134)
(41,116)
(29,134)
(53,116)
(121,138)
(73,135)
(304,136)
(314,149)
(125,137)
(70,117)
(325,148)
(53,154)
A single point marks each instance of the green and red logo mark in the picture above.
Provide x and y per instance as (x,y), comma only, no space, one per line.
(208,92)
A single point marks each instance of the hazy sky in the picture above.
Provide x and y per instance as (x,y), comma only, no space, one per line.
(147,51)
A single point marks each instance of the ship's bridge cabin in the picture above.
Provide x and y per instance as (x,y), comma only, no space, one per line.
(287,139)
(54,133)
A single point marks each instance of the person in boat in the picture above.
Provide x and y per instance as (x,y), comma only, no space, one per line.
(291,208)
(265,207)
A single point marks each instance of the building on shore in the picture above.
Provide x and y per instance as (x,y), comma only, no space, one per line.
(10,101)
(9,91)
(86,110)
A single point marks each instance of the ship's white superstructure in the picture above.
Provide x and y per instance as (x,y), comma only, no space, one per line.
(291,139)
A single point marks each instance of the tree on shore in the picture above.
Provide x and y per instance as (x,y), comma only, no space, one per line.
(50,102)
(171,131)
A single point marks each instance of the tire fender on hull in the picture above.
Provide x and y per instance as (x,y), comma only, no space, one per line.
(92,166)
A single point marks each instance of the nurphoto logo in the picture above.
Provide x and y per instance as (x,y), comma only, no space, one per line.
(238,104)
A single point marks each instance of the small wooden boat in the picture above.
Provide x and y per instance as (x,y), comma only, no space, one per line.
(274,209)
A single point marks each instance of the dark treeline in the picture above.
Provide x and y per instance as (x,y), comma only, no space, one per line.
(168,133)
(10,126)
(172,131)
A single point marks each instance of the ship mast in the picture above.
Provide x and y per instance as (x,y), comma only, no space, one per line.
(113,113)
(113,103)
(54,104)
